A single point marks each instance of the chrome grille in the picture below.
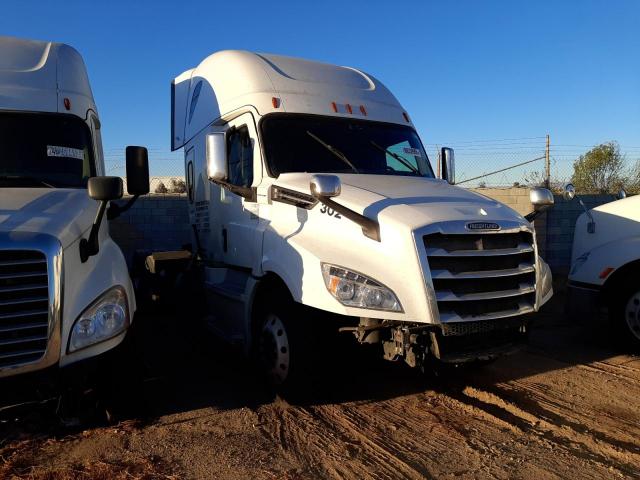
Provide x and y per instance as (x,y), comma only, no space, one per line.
(24,307)
(482,276)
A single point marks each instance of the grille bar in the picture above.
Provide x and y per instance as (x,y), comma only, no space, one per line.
(447,275)
(31,313)
(23,301)
(441,252)
(24,307)
(449,296)
(24,326)
(522,309)
(23,353)
(19,340)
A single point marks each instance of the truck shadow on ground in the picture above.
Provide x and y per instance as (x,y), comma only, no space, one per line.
(184,370)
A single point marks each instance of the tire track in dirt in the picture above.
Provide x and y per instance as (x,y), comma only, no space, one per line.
(576,443)
(328,449)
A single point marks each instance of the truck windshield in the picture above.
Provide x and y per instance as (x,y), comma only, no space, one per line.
(318,144)
(44,150)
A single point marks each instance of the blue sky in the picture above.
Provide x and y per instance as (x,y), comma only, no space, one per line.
(468,72)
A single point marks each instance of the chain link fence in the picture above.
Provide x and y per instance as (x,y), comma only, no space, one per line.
(527,161)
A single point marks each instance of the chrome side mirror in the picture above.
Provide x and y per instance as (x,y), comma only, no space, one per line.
(569,192)
(325,186)
(448,165)
(216,152)
(541,198)
(621,194)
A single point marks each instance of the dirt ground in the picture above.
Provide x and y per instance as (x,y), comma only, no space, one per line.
(568,406)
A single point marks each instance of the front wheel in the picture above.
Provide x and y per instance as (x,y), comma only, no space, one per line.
(273,348)
(632,318)
(624,314)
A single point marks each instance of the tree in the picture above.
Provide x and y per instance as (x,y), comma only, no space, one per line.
(177,186)
(602,170)
(161,188)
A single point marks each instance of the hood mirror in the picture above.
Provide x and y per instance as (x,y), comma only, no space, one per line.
(621,194)
(326,186)
(569,192)
(102,189)
(447,165)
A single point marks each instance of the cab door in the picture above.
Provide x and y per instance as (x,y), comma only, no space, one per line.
(241,240)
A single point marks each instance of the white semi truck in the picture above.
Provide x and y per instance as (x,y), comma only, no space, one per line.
(313,201)
(65,291)
(605,263)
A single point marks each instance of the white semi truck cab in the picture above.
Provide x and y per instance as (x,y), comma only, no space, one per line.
(312,198)
(605,264)
(65,291)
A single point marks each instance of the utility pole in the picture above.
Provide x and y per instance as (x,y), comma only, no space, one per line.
(547,165)
(438,161)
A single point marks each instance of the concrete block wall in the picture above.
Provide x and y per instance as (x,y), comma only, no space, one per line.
(155,222)
(515,197)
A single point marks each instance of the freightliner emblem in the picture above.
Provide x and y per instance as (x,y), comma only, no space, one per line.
(483,226)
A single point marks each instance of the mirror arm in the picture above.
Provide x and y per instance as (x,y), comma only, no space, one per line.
(370,228)
(116,210)
(591,226)
(533,215)
(91,247)
(536,213)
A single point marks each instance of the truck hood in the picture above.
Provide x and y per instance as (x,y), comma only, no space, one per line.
(414,201)
(614,221)
(64,213)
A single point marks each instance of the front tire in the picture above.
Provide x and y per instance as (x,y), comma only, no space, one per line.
(625,313)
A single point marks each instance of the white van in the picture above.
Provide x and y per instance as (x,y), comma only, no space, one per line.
(65,291)
(312,198)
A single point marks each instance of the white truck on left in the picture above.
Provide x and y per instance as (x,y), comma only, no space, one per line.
(65,291)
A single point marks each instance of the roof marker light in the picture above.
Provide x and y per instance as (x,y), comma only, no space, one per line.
(606,272)
(275,101)
(67,103)
(362,110)
(334,106)
(349,109)
(406,117)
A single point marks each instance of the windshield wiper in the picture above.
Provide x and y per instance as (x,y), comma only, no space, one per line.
(23,178)
(334,150)
(397,157)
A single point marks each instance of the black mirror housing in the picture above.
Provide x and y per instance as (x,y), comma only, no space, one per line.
(137,170)
(104,189)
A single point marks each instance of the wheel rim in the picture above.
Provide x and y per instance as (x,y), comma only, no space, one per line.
(632,314)
(274,349)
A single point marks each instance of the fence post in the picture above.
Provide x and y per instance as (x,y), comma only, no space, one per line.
(547,165)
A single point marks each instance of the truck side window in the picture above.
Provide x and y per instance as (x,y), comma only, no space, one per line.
(240,157)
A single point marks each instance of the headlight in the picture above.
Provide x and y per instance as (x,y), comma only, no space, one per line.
(356,290)
(104,319)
